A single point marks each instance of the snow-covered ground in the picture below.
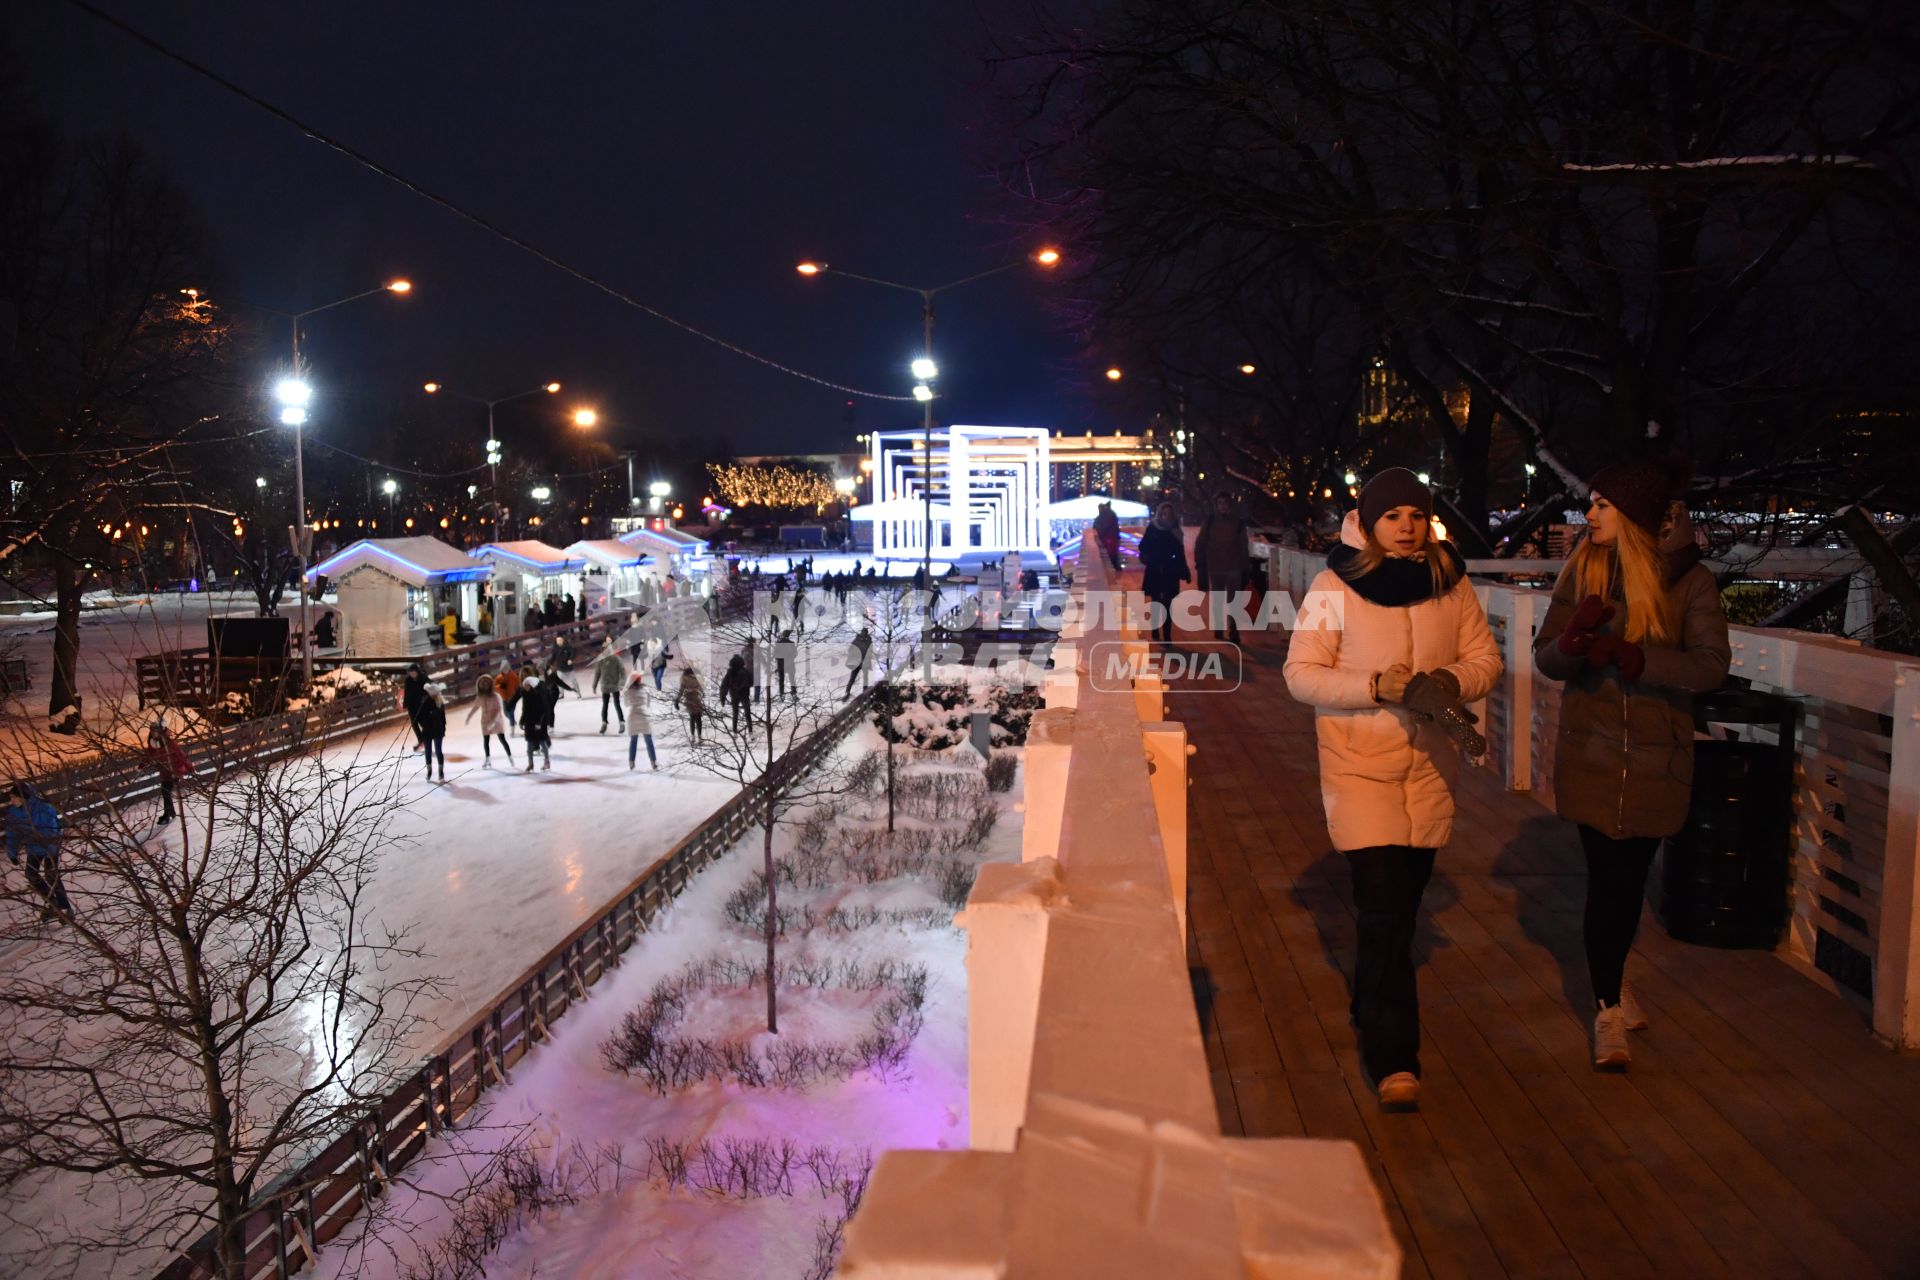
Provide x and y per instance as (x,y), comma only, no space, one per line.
(572,1109)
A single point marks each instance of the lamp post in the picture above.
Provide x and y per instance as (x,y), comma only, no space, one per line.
(1046,257)
(493,441)
(390,487)
(295,394)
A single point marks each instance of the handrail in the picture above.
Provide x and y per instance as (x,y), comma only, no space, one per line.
(310,1204)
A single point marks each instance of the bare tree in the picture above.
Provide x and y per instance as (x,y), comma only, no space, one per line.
(896,617)
(218,1004)
(760,752)
(105,359)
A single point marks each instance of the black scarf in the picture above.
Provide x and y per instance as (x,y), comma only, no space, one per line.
(1398,581)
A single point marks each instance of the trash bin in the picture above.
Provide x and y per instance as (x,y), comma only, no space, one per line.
(1724,876)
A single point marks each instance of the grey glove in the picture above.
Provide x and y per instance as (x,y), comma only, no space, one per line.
(1435,696)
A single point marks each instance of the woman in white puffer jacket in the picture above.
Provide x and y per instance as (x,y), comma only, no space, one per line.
(1395,636)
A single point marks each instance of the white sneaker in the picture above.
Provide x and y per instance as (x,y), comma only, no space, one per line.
(1630,1007)
(1610,1038)
(1400,1090)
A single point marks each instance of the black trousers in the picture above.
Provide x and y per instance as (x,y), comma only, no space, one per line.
(609,699)
(43,874)
(1388,881)
(435,747)
(486,745)
(1163,630)
(1616,886)
(166,799)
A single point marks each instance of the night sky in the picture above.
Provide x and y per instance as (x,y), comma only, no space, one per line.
(689,154)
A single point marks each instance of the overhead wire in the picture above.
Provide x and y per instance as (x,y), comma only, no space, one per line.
(460,211)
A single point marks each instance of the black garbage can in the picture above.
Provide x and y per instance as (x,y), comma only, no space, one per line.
(1724,875)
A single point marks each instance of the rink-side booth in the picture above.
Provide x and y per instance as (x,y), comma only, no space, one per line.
(392,592)
(686,562)
(525,573)
(618,575)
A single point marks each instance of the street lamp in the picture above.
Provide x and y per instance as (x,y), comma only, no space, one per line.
(295,395)
(1530,468)
(657,493)
(1046,256)
(390,487)
(1114,374)
(541,493)
(493,441)
(585,417)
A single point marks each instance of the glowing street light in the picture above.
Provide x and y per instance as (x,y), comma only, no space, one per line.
(1249,369)
(922,392)
(844,485)
(660,488)
(811,268)
(1114,374)
(1424,478)
(925,369)
(390,487)
(585,417)
(1047,257)
(541,493)
(399,286)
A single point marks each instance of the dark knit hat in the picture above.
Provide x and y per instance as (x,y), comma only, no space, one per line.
(1394,487)
(1641,488)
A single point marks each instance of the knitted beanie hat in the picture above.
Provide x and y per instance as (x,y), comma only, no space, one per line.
(1640,489)
(1394,487)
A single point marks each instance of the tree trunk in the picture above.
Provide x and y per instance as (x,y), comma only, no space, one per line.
(773,1021)
(888,736)
(63,687)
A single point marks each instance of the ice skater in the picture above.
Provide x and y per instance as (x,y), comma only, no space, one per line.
(659,667)
(170,761)
(507,686)
(33,829)
(413,691)
(638,726)
(785,663)
(609,679)
(693,700)
(537,698)
(859,658)
(735,686)
(431,723)
(494,723)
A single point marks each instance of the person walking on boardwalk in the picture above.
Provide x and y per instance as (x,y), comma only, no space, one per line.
(609,678)
(1635,629)
(1391,636)
(537,699)
(692,699)
(169,761)
(33,832)
(638,725)
(492,710)
(1220,557)
(735,687)
(1163,562)
(432,722)
(1106,531)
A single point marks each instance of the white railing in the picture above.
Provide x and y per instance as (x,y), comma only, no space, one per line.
(1855,925)
(1095,1144)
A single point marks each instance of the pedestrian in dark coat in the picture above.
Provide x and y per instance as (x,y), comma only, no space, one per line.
(786,663)
(1635,629)
(169,761)
(1220,559)
(1163,559)
(609,679)
(1106,531)
(566,609)
(33,832)
(413,691)
(432,723)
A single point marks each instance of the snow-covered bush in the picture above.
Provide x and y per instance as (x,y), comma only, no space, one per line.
(647,1044)
(1012,707)
(999,772)
(738,1168)
(938,796)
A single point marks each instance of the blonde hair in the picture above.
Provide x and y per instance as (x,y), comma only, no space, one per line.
(1370,555)
(1638,568)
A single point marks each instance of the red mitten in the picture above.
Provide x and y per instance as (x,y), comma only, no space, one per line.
(1612,651)
(1588,617)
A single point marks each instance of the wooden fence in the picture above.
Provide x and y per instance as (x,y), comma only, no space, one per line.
(310,1205)
(191,676)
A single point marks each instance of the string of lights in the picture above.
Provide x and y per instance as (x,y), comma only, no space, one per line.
(771,486)
(460,211)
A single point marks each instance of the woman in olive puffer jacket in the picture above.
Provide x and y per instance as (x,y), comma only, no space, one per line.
(1635,630)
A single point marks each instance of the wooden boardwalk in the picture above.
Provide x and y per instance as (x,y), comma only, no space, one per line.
(1761,1132)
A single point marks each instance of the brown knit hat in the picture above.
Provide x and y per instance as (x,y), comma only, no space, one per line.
(1394,487)
(1642,488)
